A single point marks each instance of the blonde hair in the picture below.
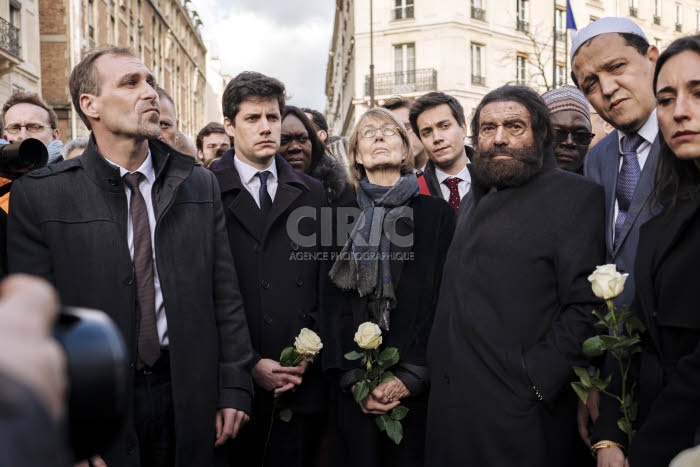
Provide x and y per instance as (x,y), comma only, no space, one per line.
(357,171)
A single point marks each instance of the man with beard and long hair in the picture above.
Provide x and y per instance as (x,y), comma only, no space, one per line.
(514,305)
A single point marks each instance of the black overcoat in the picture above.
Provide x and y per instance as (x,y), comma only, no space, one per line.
(667,275)
(514,309)
(68,224)
(355,439)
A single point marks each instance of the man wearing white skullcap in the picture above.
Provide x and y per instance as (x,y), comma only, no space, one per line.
(613,64)
(571,125)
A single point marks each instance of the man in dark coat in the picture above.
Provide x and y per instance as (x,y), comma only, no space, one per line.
(514,305)
(79,225)
(278,273)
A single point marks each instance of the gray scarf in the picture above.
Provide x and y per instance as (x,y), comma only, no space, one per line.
(364,264)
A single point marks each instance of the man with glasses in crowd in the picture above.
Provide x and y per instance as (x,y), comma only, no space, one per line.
(27,115)
(571,124)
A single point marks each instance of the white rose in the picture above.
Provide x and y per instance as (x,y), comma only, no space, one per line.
(307,343)
(606,282)
(368,336)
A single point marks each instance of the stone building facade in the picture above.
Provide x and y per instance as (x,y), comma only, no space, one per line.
(20,63)
(164,33)
(468,47)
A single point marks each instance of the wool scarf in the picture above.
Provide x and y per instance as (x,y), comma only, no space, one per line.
(364,264)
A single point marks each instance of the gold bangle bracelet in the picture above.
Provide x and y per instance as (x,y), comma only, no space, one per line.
(603,444)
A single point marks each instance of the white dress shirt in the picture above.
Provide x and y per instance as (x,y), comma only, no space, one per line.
(145,186)
(648,132)
(251,181)
(463,186)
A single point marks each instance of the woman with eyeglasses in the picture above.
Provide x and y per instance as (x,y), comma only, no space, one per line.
(301,147)
(667,273)
(388,273)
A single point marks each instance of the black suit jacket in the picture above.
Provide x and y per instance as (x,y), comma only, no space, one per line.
(68,224)
(514,310)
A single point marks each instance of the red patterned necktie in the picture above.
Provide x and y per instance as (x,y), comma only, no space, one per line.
(453,184)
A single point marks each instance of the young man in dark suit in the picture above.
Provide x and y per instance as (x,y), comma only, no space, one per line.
(116,230)
(438,120)
(514,305)
(278,275)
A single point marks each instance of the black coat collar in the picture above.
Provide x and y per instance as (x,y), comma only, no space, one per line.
(164,158)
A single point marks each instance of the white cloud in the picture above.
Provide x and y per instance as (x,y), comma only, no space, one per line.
(278,39)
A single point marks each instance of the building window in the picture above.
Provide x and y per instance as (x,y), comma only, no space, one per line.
(657,43)
(657,11)
(520,68)
(523,16)
(561,75)
(560,25)
(404,63)
(477,65)
(111,31)
(15,9)
(634,5)
(403,9)
(90,15)
(697,20)
(478,11)
(679,17)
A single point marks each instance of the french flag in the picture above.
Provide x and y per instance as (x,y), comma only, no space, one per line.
(570,21)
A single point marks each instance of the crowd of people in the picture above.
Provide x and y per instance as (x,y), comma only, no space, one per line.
(469,261)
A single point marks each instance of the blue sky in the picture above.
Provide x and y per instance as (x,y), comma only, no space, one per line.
(287,39)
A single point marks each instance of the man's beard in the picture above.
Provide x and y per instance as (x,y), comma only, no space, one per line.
(505,173)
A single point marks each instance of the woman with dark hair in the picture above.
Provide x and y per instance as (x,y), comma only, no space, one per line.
(389,282)
(305,152)
(667,271)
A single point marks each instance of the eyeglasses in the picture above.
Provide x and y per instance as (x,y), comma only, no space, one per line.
(369,131)
(580,138)
(31,128)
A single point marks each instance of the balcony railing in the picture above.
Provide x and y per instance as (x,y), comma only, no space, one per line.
(403,12)
(657,19)
(479,80)
(478,14)
(561,36)
(679,27)
(9,38)
(523,26)
(401,82)
(633,12)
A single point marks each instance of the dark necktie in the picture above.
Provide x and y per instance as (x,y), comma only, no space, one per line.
(627,180)
(148,342)
(265,200)
(453,184)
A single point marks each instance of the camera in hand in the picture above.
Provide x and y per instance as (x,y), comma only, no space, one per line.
(16,159)
(97,366)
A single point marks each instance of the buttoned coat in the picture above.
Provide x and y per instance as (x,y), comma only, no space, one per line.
(279,277)
(68,224)
(603,165)
(669,366)
(513,312)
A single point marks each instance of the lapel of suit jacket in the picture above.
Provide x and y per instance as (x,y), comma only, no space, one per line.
(289,187)
(642,194)
(237,199)
(609,169)
(431,179)
(663,234)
